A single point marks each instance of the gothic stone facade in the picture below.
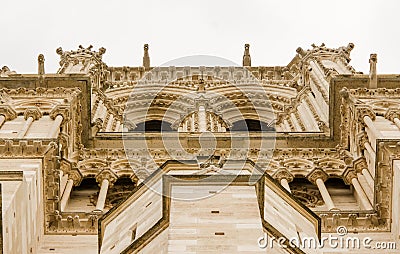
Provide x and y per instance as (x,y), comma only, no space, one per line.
(198,159)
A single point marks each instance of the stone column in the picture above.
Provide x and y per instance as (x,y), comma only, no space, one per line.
(117,125)
(2,120)
(284,177)
(202,119)
(66,194)
(350,177)
(105,179)
(318,177)
(365,186)
(397,122)
(295,123)
(368,178)
(7,113)
(55,129)
(63,182)
(101,200)
(370,124)
(25,129)
(369,148)
(74,178)
(30,115)
(393,114)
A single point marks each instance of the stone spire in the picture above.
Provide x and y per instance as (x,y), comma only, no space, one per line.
(246,56)
(41,64)
(373,80)
(146,57)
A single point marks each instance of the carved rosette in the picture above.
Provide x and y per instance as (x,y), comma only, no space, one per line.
(348,175)
(317,173)
(106,174)
(283,173)
(33,112)
(8,112)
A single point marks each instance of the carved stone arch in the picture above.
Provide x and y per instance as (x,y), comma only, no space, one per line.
(298,166)
(91,167)
(381,106)
(123,168)
(332,166)
(44,104)
(234,115)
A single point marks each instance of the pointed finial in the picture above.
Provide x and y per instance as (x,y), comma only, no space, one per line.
(246,55)
(373,79)
(146,57)
(41,64)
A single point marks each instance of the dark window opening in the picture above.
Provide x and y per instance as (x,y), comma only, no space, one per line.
(251,125)
(153,126)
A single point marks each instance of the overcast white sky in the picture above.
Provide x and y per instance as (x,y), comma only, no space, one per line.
(180,28)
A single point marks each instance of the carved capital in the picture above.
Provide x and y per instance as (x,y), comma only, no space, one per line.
(316,174)
(106,174)
(65,166)
(8,112)
(76,176)
(392,113)
(348,175)
(363,111)
(360,164)
(33,112)
(62,110)
(283,173)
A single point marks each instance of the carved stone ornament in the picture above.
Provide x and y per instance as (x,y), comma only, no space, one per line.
(62,110)
(76,176)
(309,197)
(317,173)
(349,174)
(363,111)
(283,173)
(33,112)
(106,174)
(360,164)
(392,113)
(8,112)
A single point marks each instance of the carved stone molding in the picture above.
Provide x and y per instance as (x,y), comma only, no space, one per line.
(283,173)
(360,164)
(33,112)
(309,197)
(392,113)
(317,173)
(62,110)
(108,175)
(8,112)
(76,176)
(348,175)
(363,111)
